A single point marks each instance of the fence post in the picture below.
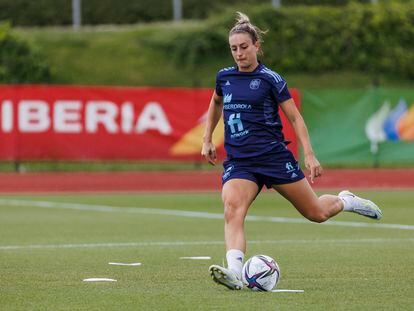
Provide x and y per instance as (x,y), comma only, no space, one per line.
(76,14)
(177,10)
(277,3)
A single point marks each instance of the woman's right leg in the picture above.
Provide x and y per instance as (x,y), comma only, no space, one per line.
(237,195)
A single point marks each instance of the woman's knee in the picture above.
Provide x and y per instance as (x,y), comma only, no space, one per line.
(237,195)
(318,217)
(324,208)
(234,209)
(316,214)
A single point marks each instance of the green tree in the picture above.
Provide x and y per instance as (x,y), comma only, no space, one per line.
(18,62)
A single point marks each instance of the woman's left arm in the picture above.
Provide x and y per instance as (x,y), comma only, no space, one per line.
(296,119)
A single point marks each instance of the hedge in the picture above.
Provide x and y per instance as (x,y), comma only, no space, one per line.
(18,63)
(59,12)
(314,39)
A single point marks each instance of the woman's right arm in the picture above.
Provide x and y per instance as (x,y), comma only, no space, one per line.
(213,116)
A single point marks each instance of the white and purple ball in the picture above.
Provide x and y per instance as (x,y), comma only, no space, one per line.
(261,273)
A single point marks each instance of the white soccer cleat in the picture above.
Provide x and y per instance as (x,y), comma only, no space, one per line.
(362,206)
(225,277)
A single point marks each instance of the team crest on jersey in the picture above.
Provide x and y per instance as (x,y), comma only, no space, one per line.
(254,84)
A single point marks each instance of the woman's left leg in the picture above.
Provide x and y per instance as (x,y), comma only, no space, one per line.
(304,199)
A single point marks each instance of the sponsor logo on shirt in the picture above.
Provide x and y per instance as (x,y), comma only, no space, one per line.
(236,126)
(237,106)
(227,98)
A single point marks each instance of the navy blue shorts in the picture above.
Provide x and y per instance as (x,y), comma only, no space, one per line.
(276,167)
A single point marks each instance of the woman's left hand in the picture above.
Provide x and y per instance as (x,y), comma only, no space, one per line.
(313,165)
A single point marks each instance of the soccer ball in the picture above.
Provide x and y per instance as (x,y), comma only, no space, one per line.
(261,273)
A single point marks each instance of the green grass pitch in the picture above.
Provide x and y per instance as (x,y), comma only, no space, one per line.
(47,249)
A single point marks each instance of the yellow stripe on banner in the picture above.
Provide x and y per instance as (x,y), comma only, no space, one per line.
(192,141)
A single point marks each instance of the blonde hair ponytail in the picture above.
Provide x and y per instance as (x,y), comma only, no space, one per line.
(243,25)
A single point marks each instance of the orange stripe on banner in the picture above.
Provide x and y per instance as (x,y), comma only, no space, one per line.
(192,142)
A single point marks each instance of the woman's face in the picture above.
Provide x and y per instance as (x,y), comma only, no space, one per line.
(244,51)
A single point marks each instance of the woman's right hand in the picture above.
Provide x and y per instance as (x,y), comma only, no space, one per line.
(209,152)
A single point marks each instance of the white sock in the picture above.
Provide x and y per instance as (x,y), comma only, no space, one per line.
(348,203)
(235,259)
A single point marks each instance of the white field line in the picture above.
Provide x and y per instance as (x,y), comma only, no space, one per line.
(190,243)
(192,214)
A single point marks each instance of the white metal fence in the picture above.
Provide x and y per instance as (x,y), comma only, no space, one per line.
(177,6)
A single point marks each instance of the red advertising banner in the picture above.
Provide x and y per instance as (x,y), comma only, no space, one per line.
(106,123)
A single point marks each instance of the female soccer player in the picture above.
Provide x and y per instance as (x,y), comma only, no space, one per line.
(248,95)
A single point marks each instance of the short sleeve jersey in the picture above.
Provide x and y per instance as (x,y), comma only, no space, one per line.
(250,110)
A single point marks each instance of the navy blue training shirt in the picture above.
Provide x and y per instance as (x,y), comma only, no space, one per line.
(250,111)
